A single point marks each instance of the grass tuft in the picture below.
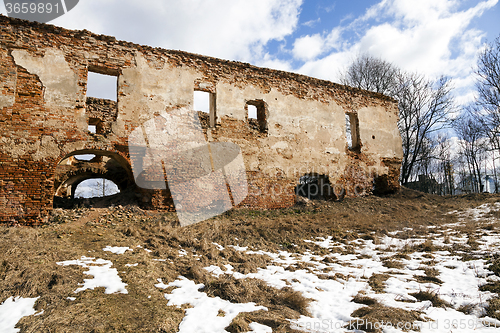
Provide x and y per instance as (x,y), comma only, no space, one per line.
(374,318)
(430,296)
(377,282)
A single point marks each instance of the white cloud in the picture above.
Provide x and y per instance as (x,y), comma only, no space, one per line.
(329,67)
(308,47)
(423,40)
(269,61)
(431,37)
(424,11)
(312,23)
(231,29)
(311,46)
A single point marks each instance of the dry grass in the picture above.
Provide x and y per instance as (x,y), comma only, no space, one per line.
(282,304)
(427,279)
(493,309)
(467,308)
(363,299)
(389,263)
(28,258)
(375,317)
(495,266)
(430,295)
(377,282)
(284,300)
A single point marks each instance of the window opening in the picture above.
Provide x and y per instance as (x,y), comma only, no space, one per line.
(102,85)
(84,157)
(95,126)
(205,102)
(352,131)
(252,112)
(96,188)
(256,115)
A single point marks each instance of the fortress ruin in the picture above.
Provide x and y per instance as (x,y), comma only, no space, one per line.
(47,121)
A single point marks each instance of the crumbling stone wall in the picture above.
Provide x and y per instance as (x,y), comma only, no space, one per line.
(102,114)
(45,115)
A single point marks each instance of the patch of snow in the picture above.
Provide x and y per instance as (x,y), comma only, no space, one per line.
(450,320)
(332,298)
(259,328)
(117,249)
(326,243)
(239,248)
(12,310)
(147,250)
(217,271)
(208,314)
(477,213)
(218,246)
(104,275)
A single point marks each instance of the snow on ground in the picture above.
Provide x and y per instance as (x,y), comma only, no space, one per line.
(479,212)
(331,281)
(104,275)
(332,297)
(117,249)
(208,314)
(12,310)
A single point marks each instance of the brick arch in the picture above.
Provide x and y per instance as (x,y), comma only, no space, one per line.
(118,155)
(108,165)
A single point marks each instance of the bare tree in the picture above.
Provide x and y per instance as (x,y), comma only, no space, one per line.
(486,109)
(370,73)
(434,167)
(424,106)
(473,150)
(488,84)
(445,165)
(487,106)
(491,137)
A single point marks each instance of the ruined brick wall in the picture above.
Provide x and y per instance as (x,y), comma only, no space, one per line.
(45,115)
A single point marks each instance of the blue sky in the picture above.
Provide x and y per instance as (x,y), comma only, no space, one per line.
(313,37)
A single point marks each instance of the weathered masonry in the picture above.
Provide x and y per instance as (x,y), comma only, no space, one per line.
(299,133)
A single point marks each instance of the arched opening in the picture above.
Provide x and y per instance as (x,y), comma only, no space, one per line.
(87,177)
(85,157)
(95,188)
(314,186)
